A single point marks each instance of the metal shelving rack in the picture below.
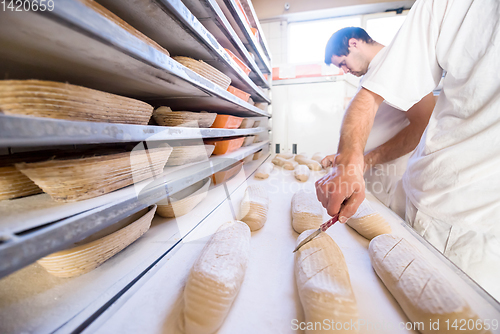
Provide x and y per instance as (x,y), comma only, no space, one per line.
(211,16)
(167,18)
(76,44)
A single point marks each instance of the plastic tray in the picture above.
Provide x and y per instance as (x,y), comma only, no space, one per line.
(240,63)
(225,146)
(227,122)
(238,93)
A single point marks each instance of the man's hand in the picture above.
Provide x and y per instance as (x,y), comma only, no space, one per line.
(328,161)
(343,189)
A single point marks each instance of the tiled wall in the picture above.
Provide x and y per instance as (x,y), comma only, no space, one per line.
(276,36)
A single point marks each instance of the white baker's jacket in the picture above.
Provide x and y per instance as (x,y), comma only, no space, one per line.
(452,181)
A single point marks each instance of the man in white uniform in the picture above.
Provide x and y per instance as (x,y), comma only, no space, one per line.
(394,134)
(453,179)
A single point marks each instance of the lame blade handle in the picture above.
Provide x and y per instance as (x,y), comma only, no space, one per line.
(329,223)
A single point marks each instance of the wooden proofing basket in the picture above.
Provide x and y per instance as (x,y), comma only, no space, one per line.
(14,184)
(206,71)
(65,101)
(166,117)
(71,180)
(93,251)
(182,155)
(184,201)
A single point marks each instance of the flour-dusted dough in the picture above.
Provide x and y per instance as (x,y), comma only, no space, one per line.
(318,156)
(421,290)
(303,159)
(285,155)
(264,170)
(313,165)
(254,207)
(368,222)
(324,285)
(216,278)
(307,212)
(290,164)
(279,161)
(302,173)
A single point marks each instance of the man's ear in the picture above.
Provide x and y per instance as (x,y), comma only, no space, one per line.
(353,42)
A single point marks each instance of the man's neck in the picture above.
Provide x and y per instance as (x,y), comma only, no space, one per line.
(373,49)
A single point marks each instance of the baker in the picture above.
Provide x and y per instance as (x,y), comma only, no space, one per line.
(394,134)
(452,180)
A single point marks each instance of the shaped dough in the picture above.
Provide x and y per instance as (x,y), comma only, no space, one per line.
(254,207)
(300,158)
(307,212)
(279,161)
(216,278)
(264,170)
(318,156)
(304,160)
(368,222)
(302,173)
(421,290)
(290,164)
(285,155)
(324,285)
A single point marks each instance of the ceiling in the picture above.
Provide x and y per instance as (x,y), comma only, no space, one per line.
(299,10)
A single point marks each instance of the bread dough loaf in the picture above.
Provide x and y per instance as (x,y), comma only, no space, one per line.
(301,158)
(264,170)
(279,161)
(304,160)
(324,285)
(290,164)
(254,207)
(421,290)
(313,165)
(302,173)
(368,222)
(216,278)
(318,156)
(307,212)
(285,155)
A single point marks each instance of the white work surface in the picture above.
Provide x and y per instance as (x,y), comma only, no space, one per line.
(268,300)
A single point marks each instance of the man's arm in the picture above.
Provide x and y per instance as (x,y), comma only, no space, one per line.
(343,189)
(408,138)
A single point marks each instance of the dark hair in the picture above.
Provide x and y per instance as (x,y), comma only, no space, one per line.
(338,44)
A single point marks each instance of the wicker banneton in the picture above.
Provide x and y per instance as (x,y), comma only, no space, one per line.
(93,251)
(15,184)
(248,141)
(182,155)
(206,71)
(247,123)
(184,201)
(65,101)
(71,180)
(226,174)
(166,117)
(257,155)
(124,25)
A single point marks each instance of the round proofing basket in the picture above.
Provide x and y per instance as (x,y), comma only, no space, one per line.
(206,71)
(182,155)
(166,117)
(184,201)
(74,180)
(15,184)
(65,101)
(90,253)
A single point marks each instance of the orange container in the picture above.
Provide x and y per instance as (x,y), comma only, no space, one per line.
(225,146)
(241,64)
(238,93)
(255,32)
(226,174)
(227,122)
